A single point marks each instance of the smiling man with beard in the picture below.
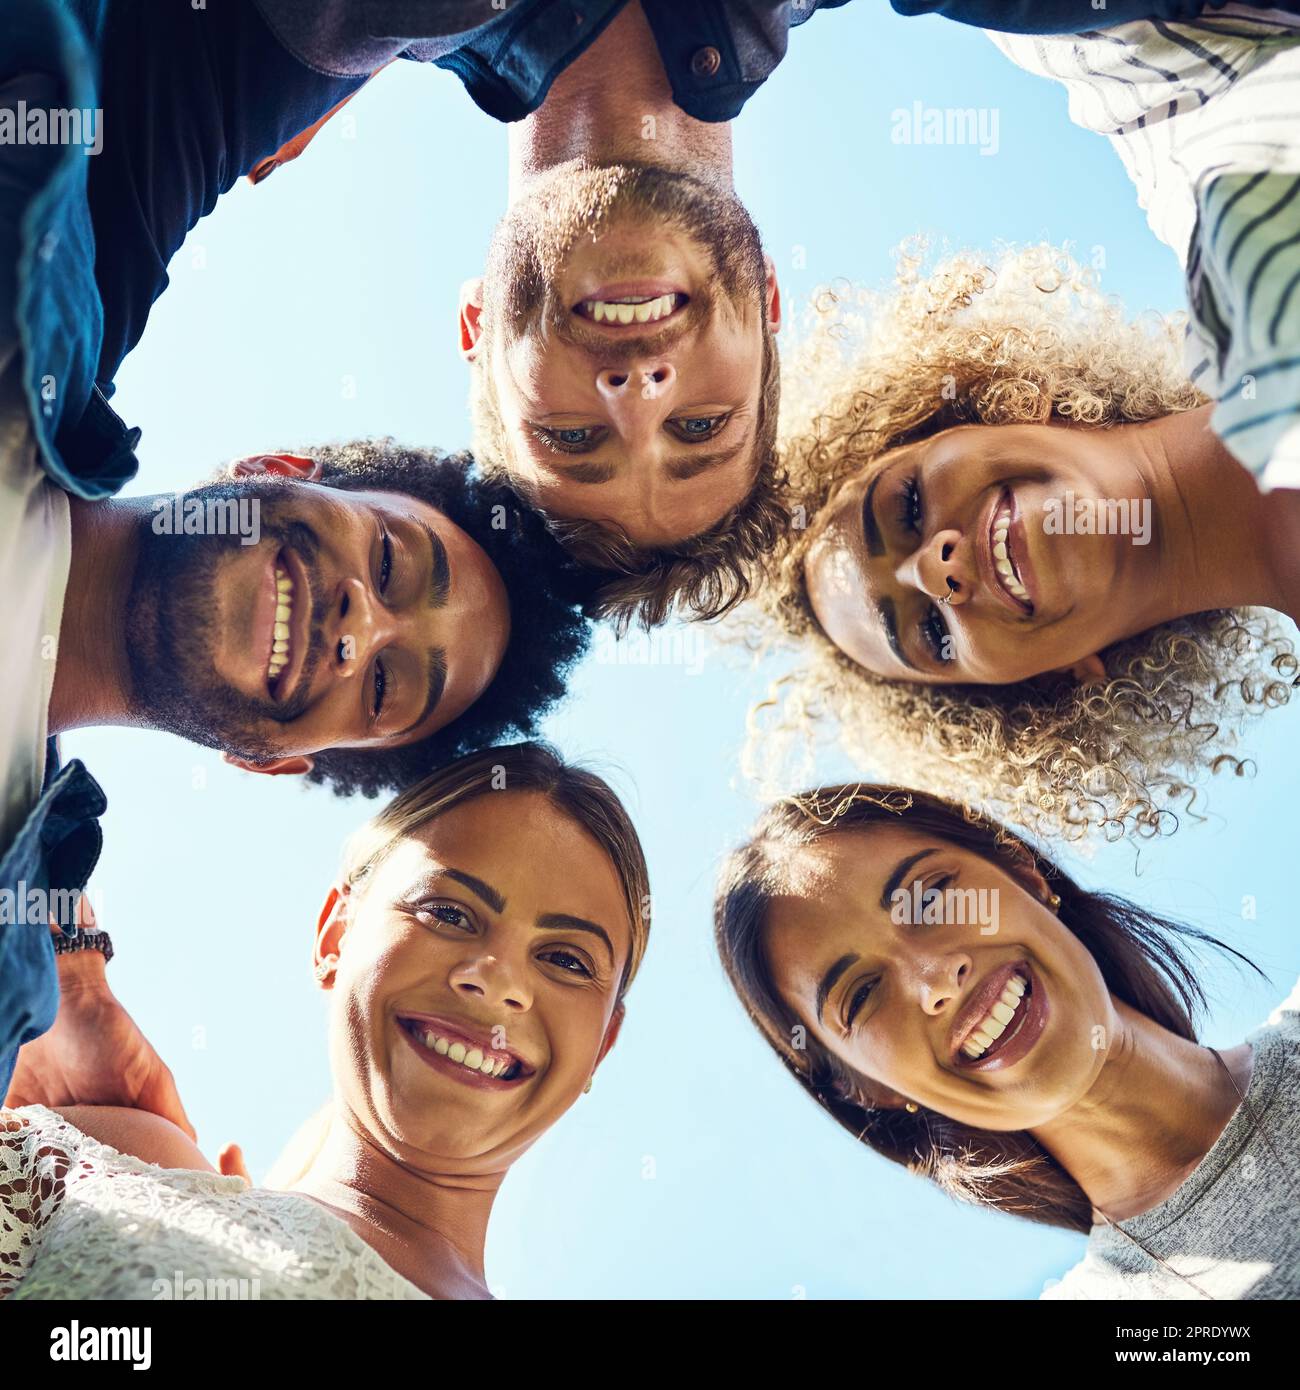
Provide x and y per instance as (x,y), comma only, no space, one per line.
(623,367)
(625,379)
(388,592)
(395,612)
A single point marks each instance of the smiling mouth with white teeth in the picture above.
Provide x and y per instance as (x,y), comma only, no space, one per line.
(1004,564)
(632,308)
(999,1018)
(281,641)
(499,1066)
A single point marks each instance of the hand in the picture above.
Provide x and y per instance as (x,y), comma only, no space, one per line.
(230,1163)
(95,1054)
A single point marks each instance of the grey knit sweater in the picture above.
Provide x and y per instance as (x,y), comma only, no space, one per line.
(1233,1228)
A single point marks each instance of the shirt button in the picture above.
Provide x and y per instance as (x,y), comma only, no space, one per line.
(705,62)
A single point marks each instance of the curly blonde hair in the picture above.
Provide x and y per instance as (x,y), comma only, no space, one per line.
(1026,338)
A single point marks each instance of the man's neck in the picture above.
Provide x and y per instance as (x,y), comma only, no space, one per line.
(429,1227)
(92,676)
(631,119)
(1152,1114)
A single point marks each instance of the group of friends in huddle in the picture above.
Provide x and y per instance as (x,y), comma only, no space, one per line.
(1029,557)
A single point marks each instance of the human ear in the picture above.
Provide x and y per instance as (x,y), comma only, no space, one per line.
(330,928)
(276,767)
(772,295)
(870,1095)
(1019,863)
(611,1033)
(297,466)
(471,318)
(1088,670)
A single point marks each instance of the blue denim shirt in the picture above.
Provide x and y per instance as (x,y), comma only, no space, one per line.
(716,53)
(83,445)
(55,850)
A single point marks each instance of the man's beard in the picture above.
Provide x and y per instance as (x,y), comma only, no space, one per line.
(171,629)
(534,240)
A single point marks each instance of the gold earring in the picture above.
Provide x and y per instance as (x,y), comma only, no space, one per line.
(1054,902)
(911,1107)
(587,1087)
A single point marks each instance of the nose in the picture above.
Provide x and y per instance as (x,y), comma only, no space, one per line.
(940,978)
(360,626)
(630,394)
(490,980)
(936,568)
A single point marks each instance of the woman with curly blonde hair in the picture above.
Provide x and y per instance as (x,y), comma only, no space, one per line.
(1026,567)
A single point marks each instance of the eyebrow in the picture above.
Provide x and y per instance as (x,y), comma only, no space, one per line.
(688,466)
(885,612)
(549,921)
(679,470)
(901,869)
(436,683)
(591,472)
(440,568)
(870,529)
(563,921)
(485,891)
(829,979)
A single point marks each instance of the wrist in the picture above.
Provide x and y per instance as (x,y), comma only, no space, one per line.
(82,971)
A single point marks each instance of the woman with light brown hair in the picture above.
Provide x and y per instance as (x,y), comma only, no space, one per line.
(959,1004)
(1025,572)
(477,948)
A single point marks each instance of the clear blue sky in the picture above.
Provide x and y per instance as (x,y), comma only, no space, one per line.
(322,305)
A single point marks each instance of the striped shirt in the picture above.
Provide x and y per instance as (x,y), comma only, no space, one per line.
(1206,119)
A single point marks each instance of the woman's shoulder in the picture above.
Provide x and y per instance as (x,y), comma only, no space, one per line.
(1287,1013)
(137,1133)
(1277,1039)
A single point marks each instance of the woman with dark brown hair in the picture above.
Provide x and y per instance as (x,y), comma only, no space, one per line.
(959,1004)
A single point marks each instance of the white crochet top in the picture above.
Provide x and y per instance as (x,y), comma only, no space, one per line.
(80,1220)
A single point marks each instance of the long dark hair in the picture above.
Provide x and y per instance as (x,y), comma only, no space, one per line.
(1140,956)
